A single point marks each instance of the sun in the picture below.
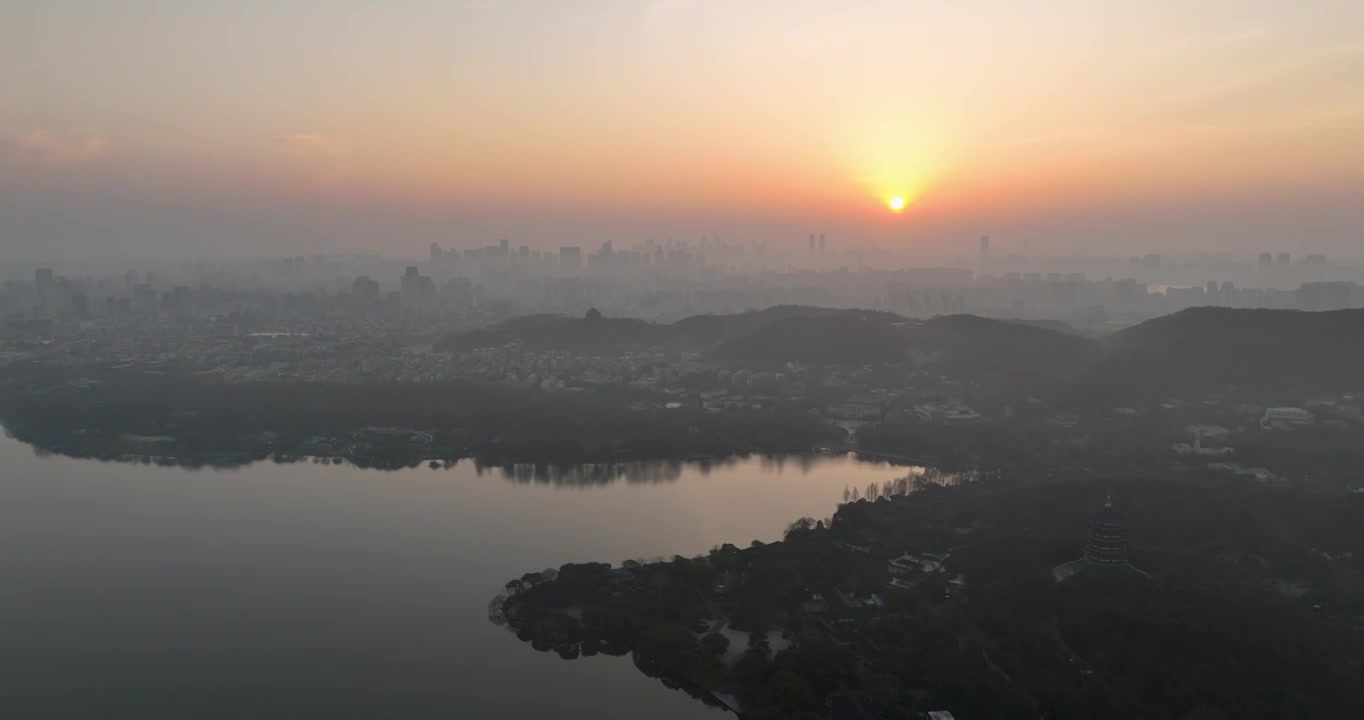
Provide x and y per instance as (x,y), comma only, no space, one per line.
(897,203)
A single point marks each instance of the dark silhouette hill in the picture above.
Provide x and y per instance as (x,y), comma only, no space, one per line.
(588,334)
(1194,351)
(1211,349)
(1023,358)
(558,332)
(1054,325)
(852,338)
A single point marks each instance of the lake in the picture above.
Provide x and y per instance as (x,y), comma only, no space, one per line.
(312,590)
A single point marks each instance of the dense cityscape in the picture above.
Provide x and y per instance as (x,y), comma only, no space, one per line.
(193,308)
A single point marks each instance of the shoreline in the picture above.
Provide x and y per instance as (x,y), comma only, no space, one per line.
(242,459)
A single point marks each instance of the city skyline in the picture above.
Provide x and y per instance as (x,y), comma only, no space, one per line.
(151,129)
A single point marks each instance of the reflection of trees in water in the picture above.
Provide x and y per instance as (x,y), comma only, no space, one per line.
(802,461)
(642,472)
(918,478)
(649,471)
(586,474)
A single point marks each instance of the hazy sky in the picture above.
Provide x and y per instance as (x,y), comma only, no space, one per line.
(269,126)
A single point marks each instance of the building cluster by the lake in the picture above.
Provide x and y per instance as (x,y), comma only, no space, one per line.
(660,281)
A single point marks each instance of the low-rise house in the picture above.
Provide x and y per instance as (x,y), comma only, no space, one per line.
(1286,418)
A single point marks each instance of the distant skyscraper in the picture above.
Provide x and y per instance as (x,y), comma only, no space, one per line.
(42,280)
(571,257)
(436,252)
(506,247)
(1266,262)
(1285,260)
(1325,295)
(984,247)
(417,286)
(821,243)
(365,288)
(812,243)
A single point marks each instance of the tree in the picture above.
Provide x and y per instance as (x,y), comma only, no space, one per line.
(716,645)
(791,695)
(593,314)
(884,689)
(804,524)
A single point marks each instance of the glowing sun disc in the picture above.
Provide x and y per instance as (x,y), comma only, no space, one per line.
(897,203)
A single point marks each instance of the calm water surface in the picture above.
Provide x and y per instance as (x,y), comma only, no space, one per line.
(328,591)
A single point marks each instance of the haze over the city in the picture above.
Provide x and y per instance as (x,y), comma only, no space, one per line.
(150,127)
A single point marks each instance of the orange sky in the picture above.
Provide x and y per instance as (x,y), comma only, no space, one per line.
(740,117)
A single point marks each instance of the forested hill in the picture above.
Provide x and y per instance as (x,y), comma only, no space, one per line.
(606,335)
(1218,348)
(1206,349)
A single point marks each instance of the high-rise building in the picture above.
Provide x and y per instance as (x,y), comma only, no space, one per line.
(984,248)
(437,253)
(417,286)
(821,243)
(571,258)
(1266,262)
(812,243)
(1325,295)
(144,297)
(1284,260)
(42,280)
(365,288)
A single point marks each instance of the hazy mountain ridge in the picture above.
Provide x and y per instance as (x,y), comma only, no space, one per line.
(1212,348)
(1196,349)
(696,333)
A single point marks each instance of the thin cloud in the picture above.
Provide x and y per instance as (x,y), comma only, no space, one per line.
(47,148)
(315,144)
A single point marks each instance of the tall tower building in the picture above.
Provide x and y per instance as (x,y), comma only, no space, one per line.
(812,243)
(1106,551)
(984,247)
(42,279)
(1107,539)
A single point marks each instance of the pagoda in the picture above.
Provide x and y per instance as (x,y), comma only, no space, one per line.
(1106,550)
